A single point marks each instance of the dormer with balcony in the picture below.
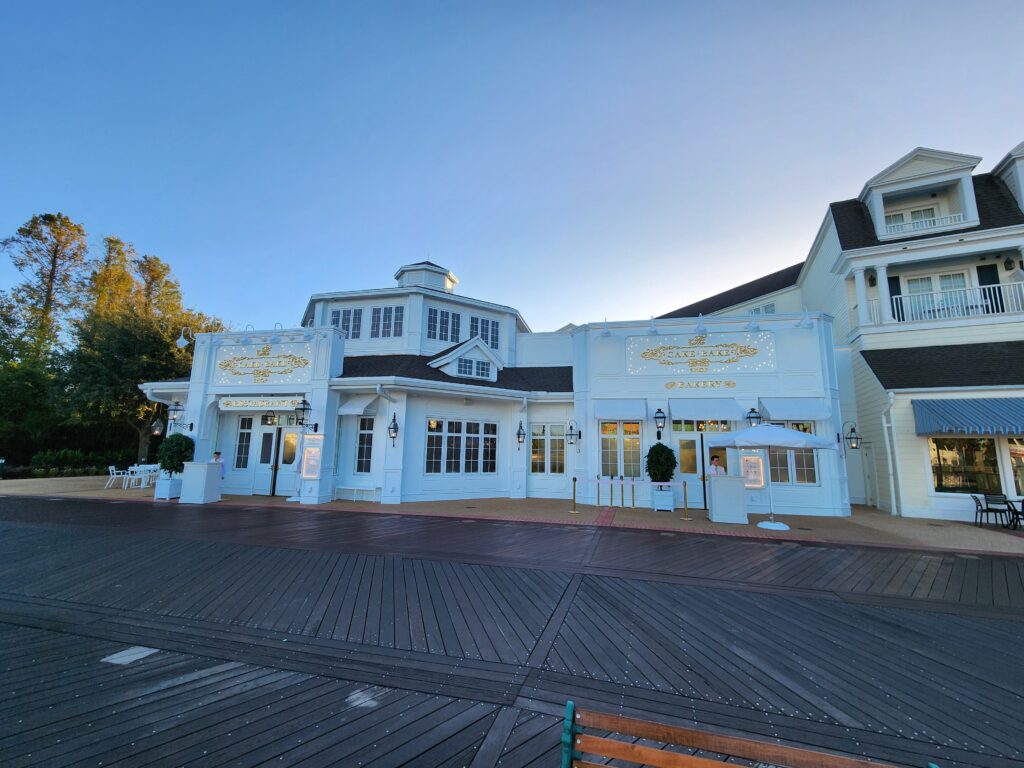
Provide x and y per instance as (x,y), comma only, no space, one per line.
(923,193)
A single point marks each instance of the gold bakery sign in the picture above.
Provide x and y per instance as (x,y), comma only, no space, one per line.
(262,365)
(717,353)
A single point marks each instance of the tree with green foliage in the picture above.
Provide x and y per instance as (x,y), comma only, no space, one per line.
(50,251)
(112,286)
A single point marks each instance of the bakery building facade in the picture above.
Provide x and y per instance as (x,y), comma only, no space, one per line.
(417,393)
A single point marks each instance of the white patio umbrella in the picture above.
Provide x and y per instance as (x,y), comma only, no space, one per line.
(770,436)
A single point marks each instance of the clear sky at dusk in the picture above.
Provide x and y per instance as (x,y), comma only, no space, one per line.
(573,160)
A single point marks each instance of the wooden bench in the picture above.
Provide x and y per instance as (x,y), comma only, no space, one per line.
(577,745)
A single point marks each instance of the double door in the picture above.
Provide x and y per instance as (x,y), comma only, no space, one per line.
(277,450)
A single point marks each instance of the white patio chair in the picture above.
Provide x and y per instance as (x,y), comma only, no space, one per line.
(115,473)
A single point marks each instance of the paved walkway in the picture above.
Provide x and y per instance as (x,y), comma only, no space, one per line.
(866,525)
(259,636)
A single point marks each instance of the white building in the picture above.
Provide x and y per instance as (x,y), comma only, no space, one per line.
(923,275)
(463,379)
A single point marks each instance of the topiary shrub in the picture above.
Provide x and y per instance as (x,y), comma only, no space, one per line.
(660,463)
(174,452)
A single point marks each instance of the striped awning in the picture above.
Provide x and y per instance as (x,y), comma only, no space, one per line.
(976,416)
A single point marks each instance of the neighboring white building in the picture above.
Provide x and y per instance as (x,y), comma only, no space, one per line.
(923,275)
(460,378)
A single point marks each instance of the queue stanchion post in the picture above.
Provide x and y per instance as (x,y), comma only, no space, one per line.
(573,511)
(686,505)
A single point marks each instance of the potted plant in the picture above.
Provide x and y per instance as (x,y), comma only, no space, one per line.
(660,465)
(173,453)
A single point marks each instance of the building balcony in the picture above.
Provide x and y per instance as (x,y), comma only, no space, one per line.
(918,225)
(957,304)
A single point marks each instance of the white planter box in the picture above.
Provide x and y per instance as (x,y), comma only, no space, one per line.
(167,488)
(662,499)
(201,482)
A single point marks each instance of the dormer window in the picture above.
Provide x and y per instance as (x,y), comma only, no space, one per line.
(478,369)
(915,219)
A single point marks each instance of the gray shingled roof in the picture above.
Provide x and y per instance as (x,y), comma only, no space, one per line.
(994,363)
(776,281)
(996,208)
(526,379)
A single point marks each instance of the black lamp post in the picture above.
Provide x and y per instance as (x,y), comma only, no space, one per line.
(659,421)
(520,435)
(852,438)
(302,411)
(753,417)
(393,429)
(174,411)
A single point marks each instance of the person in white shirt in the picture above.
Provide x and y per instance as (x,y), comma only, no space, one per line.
(716,468)
(218,460)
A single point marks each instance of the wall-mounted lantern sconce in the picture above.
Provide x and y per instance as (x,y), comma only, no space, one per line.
(174,412)
(157,427)
(753,417)
(659,421)
(573,433)
(1009,264)
(182,341)
(393,429)
(520,435)
(302,411)
(852,438)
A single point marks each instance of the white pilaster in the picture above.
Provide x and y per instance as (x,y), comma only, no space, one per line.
(884,299)
(391,489)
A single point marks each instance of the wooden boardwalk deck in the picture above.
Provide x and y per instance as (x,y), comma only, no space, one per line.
(297,638)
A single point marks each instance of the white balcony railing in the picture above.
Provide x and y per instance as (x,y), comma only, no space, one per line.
(987,300)
(919,224)
(960,302)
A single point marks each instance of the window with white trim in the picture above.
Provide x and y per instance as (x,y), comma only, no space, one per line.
(336,317)
(461,447)
(547,449)
(620,448)
(484,328)
(364,445)
(483,369)
(795,466)
(386,322)
(442,325)
(243,442)
(351,322)
(465,366)
(431,323)
(456,322)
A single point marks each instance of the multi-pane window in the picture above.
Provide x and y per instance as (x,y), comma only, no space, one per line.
(386,322)
(964,465)
(243,442)
(454,447)
(335,317)
(709,425)
(547,449)
(465,366)
(364,445)
(485,329)
(793,465)
(442,326)
(620,449)
(456,321)
(483,369)
(351,322)
(431,323)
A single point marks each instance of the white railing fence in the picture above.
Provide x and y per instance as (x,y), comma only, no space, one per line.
(919,224)
(960,302)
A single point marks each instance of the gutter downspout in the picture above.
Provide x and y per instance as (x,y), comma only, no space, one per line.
(887,424)
(382,393)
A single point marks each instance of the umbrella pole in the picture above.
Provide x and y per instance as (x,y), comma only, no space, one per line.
(770,523)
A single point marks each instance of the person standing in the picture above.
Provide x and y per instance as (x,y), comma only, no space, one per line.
(218,460)
(715,469)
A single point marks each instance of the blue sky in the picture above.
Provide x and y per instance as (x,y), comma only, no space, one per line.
(574,160)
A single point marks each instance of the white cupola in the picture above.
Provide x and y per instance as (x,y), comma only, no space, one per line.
(426,274)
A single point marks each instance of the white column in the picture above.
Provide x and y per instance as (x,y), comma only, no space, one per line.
(521,460)
(861,288)
(884,299)
(391,490)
